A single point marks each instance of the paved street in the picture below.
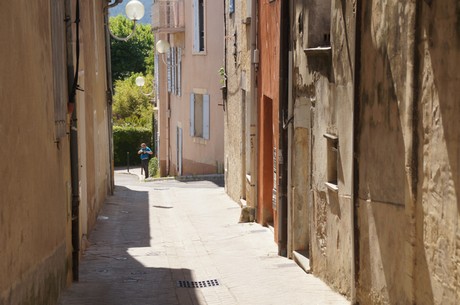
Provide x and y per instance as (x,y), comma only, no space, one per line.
(153,236)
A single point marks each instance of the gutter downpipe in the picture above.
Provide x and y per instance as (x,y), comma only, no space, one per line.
(290,131)
(254,103)
(355,140)
(109,95)
(283,108)
(72,75)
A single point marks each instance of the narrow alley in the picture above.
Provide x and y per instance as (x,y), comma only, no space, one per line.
(153,237)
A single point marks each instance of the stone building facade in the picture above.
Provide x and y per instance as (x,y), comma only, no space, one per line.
(372,151)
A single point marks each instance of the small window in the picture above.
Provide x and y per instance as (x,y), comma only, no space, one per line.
(231,6)
(332,160)
(199,115)
(319,24)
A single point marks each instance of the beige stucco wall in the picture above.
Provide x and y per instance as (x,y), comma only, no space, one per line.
(34,199)
(92,117)
(199,156)
(35,188)
(237,116)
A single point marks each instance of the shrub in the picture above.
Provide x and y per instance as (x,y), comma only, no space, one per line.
(153,167)
(128,139)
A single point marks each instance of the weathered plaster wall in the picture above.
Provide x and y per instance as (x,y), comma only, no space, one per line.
(95,139)
(437,262)
(238,65)
(34,170)
(321,218)
(35,195)
(385,154)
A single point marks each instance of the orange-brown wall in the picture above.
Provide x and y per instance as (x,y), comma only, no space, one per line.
(269,44)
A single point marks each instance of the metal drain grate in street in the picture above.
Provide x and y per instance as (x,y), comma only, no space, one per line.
(197,284)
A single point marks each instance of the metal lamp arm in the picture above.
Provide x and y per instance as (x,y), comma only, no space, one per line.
(123,38)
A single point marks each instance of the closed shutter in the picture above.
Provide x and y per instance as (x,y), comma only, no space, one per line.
(173,70)
(179,71)
(192,115)
(206,117)
(196,27)
(168,68)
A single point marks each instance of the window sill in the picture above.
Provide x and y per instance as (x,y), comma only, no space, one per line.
(200,141)
(319,51)
(331,186)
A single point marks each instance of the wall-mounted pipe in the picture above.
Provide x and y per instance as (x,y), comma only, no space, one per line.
(72,81)
(283,145)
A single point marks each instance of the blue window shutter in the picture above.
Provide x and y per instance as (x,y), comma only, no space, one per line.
(231,6)
(192,115)
(168,68)
(196,28)
(206,117)
(179,71)
(173,70)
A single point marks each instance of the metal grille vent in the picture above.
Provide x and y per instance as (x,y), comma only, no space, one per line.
(197,284)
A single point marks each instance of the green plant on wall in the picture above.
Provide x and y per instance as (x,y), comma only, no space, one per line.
(223,76)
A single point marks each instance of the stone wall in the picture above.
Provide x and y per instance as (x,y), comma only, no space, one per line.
(437,264)
(238,69)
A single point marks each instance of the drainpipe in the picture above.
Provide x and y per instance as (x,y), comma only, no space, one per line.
(290,130)
(283,109)
(224,102)
(109,95)
(355,140)
(72,79)
(254,102)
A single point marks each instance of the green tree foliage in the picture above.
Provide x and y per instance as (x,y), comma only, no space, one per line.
(132,56)
(127,140)
(131,107)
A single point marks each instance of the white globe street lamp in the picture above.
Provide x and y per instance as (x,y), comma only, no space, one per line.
(134,11)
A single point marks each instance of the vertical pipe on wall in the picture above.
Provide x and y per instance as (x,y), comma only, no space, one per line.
(283,109)
(72,80)
(109,96)
(290,130)
(355,152)
(254,97)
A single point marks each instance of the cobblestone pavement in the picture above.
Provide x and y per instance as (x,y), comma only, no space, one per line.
(151,237)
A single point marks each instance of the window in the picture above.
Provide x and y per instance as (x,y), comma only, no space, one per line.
(199,115)
(174,67)
(332,160)
(198,26)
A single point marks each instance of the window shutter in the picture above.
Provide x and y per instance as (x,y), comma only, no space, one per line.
(179,71)
(206,117)
(196,27)
(173,70)
(168,68)
(192,115)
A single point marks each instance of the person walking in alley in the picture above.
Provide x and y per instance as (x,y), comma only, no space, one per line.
(144,153)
